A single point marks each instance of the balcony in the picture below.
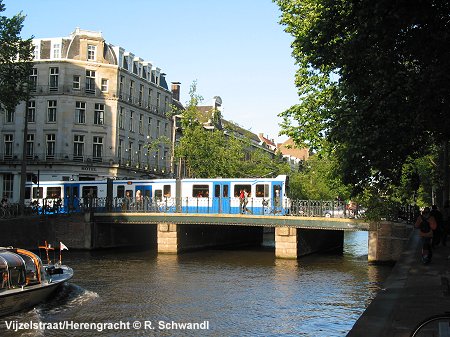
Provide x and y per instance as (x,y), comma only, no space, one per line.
(83,91)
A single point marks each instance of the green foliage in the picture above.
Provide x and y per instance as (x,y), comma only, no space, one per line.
(318,180)
(16,57)
(372,82)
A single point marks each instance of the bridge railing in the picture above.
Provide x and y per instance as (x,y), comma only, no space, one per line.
(256,206)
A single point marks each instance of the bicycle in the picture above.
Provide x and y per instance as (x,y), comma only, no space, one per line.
(437,325)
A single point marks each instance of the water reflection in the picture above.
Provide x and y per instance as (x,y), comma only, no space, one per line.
(245,292)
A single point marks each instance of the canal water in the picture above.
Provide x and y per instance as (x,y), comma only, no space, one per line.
(239,292)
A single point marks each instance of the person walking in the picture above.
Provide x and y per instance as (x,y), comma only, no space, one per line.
(426,224)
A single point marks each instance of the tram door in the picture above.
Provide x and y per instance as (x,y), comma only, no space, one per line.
(276,197)
(221,198)
(146,196)
(71,198)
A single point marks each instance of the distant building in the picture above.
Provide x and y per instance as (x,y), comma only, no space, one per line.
(292,154)
(93,111)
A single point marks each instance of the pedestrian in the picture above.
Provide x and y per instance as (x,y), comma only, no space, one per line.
(437,233)
(426,224)
(4,201)
(139,200)
(241,201)
(244,207)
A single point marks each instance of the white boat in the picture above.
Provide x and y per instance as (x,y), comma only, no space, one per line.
(26,281)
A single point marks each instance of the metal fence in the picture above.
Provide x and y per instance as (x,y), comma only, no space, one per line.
(193,205)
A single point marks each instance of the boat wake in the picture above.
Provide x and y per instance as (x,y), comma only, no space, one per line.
(71,296)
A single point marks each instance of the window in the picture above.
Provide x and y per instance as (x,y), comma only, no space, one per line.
(90,81)
(130,98)
(139,153)
(141,94)
(262,190)
(80,112)
(158,100)
(9,116)
(56,47)
(166,128)
(97,149)
(33,79)
(130,151)
(122,80)
(149,98)
(158,127)
(53,78)
(239,188)
(30,146)
(119,149)
(167,191)
(51,111)
(50,146)
(166,101)
(36,51)
(141,124)
(149,126)
(104,85)
(78,147)
(9,142)
(131,121)
(99,113)
(31,112)
(200,191)
(37,192)
(121,118)
(76,83)
(120,191)
(91,52)
(8,185)
(53,192)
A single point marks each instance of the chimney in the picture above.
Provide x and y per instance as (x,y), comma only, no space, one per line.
(176,91)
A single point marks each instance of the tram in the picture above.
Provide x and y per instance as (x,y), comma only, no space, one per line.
(189,195)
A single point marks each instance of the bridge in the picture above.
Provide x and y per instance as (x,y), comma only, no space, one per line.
(294,235)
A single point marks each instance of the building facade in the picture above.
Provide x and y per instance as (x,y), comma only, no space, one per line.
(95,111)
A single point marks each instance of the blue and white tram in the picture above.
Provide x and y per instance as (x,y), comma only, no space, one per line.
(219,195)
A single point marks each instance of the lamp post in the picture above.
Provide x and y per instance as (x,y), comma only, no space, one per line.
(23,167)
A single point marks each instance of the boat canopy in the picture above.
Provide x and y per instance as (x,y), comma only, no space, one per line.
(10,260)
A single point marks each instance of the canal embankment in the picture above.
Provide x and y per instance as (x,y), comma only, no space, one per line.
(412,292)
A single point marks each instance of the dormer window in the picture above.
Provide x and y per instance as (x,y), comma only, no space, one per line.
(56,47)
(91,52)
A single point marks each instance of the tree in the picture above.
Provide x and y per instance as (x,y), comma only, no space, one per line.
(16,57)
(317,180)
(216,152)
(373,82)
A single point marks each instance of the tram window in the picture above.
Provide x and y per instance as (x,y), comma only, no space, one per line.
(167,191)
(225,191)
(262,190)
(158,194)
(200,191)
(53,192)
(239,188)
(89,191)
(217,191)
(120,191)
(75,191)
(38,192)
(27,192)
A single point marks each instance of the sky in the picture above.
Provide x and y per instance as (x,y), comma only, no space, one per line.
(235,49)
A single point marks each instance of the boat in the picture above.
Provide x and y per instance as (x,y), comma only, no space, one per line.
(26,281)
